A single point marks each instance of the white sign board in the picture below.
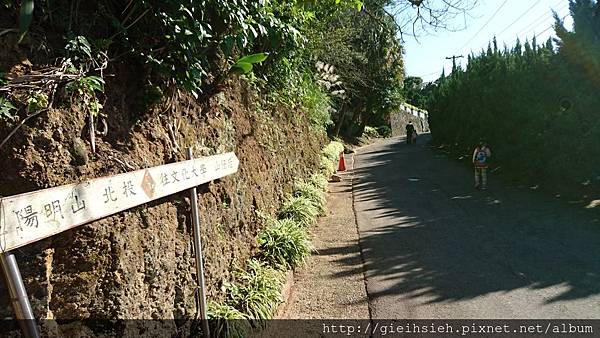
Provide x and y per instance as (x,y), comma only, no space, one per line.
(32,216)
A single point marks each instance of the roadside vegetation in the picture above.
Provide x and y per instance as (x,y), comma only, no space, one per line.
(284,244)
(535,103)
(339,61)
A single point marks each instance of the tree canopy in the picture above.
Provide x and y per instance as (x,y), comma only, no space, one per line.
(341,57)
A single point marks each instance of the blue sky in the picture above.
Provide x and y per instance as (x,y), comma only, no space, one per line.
(514,18)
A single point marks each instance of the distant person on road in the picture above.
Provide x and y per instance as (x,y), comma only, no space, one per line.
(410,129)
(413,138)
(481,156)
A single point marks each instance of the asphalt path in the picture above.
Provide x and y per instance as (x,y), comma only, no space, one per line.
(434,247)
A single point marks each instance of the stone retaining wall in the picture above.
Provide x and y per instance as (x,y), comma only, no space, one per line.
(407,114)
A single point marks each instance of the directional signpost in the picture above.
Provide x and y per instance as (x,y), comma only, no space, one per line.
(36,215)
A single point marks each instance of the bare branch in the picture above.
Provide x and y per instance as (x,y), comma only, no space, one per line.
(46,80)
(428,15)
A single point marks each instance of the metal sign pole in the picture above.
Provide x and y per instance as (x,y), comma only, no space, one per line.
(43,213)
(198,250)
(18,295)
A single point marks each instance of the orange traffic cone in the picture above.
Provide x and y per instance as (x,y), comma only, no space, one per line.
(342,163)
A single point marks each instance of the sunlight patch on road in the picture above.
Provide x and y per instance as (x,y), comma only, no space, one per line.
(493,201)
(408,223)
(461,197)
(593,204)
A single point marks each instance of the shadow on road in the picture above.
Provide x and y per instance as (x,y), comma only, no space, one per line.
(427,234)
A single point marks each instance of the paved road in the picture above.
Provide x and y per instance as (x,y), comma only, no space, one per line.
(434,247)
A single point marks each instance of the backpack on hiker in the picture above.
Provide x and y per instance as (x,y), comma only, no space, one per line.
(481,157)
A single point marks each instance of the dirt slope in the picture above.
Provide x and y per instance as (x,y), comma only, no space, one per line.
(139,263)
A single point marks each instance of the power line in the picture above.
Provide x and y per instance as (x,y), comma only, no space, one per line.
(545,30)
(519,18)
(484,25)
(432,73)
(545,13)
(540,19)
(521,33)
(538,34)
(535,23)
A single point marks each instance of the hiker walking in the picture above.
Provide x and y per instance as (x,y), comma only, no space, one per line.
(410,129)
(481,155)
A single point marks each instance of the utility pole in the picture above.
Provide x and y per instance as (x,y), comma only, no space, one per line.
(453,58)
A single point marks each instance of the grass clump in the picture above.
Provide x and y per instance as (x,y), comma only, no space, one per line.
(251,299)
(227,321)
(315,195)
(223,311)
(300,209)
(257,291)
(284,243)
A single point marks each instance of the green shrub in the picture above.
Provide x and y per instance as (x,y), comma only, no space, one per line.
(284,243)
(319,181)
(384,131)
(532,141)
(332,150)
(315,195)
(370,132)
(329,158)
(317,104)
(299,209)
(327,166)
